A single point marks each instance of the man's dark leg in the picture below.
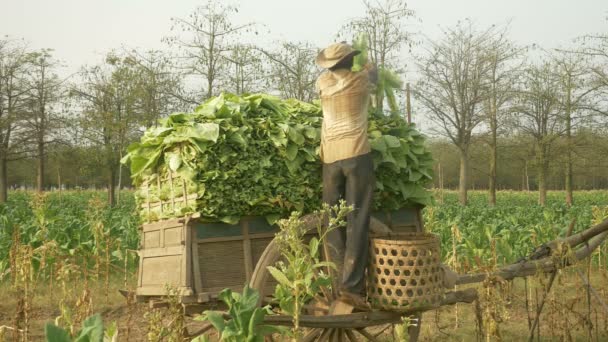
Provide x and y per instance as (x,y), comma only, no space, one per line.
(360,184)
(333,191)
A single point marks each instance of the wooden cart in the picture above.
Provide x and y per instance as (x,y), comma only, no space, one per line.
(201,259)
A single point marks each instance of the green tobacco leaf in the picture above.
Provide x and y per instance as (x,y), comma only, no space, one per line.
(92,330)
(292,151)
(54,333)
(216,319)
(258,155)
(175,161)
(391,141)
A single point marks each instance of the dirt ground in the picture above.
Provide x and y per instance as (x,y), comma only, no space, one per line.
(567,314)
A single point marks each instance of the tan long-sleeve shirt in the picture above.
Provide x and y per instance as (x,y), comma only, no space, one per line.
(344,99)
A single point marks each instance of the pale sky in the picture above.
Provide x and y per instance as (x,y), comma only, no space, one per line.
(82,31)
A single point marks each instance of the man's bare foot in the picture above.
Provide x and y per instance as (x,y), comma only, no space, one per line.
(355,300)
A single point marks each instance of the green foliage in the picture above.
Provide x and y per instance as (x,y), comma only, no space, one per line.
(360,43)
(92,331)
(258,155)
(245,321)
(516,225)
(303,274)
(62,218)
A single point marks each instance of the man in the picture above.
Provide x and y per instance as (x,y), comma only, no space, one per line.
(348,170)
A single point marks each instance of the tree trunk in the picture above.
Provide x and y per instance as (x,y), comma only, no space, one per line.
(119,186)
(492,180)
(40,176)
(3,180)
(464,173)
(542,172)
(569,199)
(526,176)
(111,185)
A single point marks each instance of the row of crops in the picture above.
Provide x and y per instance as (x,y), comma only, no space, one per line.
(78,223)
(480,235)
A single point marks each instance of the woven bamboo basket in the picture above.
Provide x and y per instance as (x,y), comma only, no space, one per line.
(405,272)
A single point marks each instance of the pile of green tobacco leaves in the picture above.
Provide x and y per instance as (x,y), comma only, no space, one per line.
(258,155)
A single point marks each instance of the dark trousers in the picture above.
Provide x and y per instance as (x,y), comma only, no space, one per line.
(353,180)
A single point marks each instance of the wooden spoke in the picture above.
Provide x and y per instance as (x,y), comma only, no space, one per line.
(382,330)
(325,335)
(312,335)
(367,335)
(351,336)
(342,335)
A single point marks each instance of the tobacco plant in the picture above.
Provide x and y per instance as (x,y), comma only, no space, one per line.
(303,274)
(245,322)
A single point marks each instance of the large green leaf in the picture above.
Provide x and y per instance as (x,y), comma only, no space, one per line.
(54,333)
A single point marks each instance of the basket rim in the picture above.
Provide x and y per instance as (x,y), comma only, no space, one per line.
(419,238)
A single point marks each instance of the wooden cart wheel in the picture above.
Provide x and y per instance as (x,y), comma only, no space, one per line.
(261,280)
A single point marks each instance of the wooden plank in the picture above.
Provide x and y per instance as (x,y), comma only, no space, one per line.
(185,192)
(172,193)
(187,260)
(196,267)
(170,223)
(247,251)
(148,199)
(163,251)
(158,184)
(180,199)
(236,238)
(160,290)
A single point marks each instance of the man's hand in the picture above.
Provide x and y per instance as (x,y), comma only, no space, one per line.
(372,71)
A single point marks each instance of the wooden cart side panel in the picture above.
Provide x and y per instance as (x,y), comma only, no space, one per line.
(165,258)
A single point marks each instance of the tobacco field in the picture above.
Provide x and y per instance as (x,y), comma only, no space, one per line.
(56,248)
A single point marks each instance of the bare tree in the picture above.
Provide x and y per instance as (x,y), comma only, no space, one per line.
(245,72)
(538,110)
(109,120)
(504,62)
(293,71)
(573,75)
(158,86)
(453,86)
(209,39)
(43,105)
(13,89)
(384,24)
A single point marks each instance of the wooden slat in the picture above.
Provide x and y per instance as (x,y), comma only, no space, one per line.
(158,184)
(187,260)
(163,251)
(171,223)
(172,193)
(196,268)
(160,290)
(236,238)
(247,251)
(185,191)
(180,199)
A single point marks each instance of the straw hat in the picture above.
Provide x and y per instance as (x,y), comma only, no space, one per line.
(334,53)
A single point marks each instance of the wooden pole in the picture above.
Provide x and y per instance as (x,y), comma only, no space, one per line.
(408,103)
